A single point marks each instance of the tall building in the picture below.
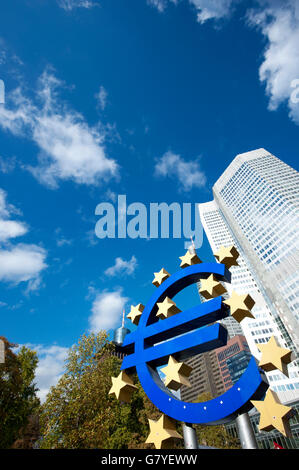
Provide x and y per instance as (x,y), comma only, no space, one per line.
(255,208)
(266,439)
(205,377)
(259,197)
(233,359)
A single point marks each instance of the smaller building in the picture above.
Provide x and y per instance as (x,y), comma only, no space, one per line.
(205,377)
(233,359)
(265,439)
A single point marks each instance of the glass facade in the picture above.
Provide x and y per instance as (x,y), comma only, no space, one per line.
(233,360)
(266,440)
(255,208)
(237,364)
(258,195)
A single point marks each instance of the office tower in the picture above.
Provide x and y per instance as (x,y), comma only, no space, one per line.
(232,326)
(266,440)
(258,195)
(233,359)
(205,377)
(254,208)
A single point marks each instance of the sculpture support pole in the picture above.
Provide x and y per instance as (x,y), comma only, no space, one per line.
(2,352)
(189,433)
(190,438)
(246,433)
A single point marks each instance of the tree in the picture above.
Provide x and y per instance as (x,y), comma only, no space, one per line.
(80,413)
(214,436)
(18,399)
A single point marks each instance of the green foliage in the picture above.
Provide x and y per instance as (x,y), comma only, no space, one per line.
(18,400)
(214,436)
(80,413)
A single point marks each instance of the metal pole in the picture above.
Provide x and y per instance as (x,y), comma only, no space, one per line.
(246,433)
(2,352)
(190,438)
(189,433)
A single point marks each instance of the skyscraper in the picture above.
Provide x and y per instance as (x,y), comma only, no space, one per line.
(233,359)
(205,377)
(255,208)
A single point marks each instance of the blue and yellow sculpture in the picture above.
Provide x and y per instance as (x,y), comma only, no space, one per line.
(167,336)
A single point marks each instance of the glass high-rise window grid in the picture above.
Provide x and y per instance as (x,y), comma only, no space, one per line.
(255,208)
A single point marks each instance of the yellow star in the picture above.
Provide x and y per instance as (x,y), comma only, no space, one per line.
(167,308)
(274,415)
(240,306)
(188,259)
(162,433)
(176,373)
(160,277)
(122,387)
(227,255)
(210,287)
(274,357)
(135,313)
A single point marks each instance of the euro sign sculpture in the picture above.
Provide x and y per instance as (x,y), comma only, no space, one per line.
(181,336)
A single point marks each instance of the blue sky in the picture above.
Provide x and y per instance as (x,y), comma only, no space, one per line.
(100,96)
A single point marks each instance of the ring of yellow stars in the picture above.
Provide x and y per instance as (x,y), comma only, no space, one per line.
(160,277)
(240,306)
(163,433)
(135,313)
(176,374)
(210,287)
(122,387)
(167,308)
(274,357)
(274,415)
(227,255)
(188,259)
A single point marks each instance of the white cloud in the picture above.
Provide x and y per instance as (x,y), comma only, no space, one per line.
(279,23)
(187,173)
(101,98)
(111,195)
(22,262)
(122,266)
(3,52)
(159,4)
(2,57)
(71,4)
(33,285)
(11,229)
(91,238)
(6,209)
(69,148)
(205,9)
(7,165)
(63,241)
(212,9)
(106,310)
(50,367)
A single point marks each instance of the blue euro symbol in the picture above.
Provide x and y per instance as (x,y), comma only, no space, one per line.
(182,336)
